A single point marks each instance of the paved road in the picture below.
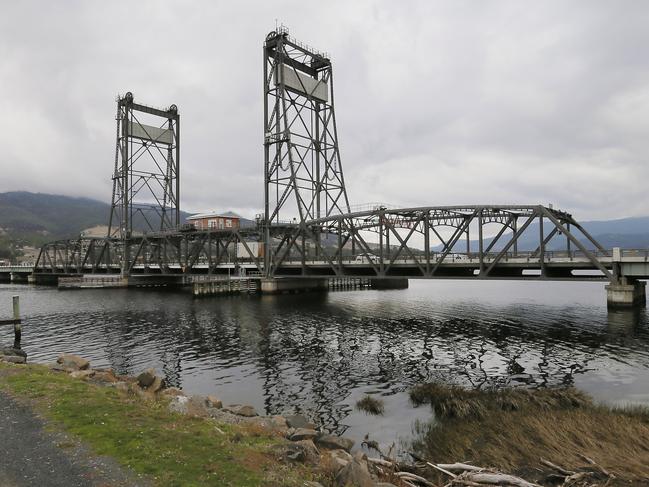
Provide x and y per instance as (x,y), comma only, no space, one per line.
(32,457)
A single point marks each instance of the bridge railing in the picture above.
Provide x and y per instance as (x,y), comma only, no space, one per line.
(638,253)
(529,256)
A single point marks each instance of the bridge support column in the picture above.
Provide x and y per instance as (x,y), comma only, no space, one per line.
(18,277)
(626,293)
(390,283)
(47,278)
(288,285)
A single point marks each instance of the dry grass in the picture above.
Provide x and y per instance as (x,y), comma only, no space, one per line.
(513,429)
(371,405)
(450,401)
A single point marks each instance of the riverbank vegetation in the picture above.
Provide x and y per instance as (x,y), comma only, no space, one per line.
(522,431)
(169,449)
(371,405)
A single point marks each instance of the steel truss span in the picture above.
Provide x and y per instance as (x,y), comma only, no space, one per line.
(408,243)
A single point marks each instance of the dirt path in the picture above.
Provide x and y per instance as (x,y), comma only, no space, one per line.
(33,457)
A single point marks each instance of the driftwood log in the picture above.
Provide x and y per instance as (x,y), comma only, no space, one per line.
(464,474)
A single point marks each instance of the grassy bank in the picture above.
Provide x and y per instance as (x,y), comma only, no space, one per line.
(513,430)
(170,449)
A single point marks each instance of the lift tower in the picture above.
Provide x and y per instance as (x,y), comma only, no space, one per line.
(146,179)
(303,176)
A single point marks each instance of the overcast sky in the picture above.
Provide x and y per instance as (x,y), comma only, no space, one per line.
(437,102)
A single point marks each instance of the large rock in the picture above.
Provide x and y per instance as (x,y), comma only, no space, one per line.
(146,378)
(73,362)
(355,473)
(11,351)
(191,406)
(214,402)
(279,423)
(179,404)
(301,451)
(303,434)
(339,459)
(241,410)
(157,385)
(299,421)
(14,359)
(332,442)
(104,377)
(173,391)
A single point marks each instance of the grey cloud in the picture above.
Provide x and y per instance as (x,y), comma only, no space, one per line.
(437,102)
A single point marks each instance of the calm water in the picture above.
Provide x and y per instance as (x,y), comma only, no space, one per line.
(319,353)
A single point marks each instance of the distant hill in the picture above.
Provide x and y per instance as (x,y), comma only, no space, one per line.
(38,217)
(630,233)
(35,218)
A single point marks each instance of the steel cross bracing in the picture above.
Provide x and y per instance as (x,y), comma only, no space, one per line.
(146,177)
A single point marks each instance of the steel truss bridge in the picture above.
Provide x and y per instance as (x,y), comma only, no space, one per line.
(341,246)
(308,229)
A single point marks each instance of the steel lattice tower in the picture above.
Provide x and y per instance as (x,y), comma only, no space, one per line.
(146,179)
(303,173)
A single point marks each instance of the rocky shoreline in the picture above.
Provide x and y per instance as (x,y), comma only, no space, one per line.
(300,440)
(488,426)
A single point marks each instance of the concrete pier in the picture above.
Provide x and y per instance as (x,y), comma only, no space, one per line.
(21,277)
(626,293)
(389,283)
(289,285)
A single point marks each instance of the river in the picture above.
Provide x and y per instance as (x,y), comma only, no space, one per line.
(318,353)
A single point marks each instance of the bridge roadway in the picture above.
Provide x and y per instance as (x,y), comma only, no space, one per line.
(559,265)
(628,265)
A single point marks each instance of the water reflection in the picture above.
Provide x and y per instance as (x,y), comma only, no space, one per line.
(312,353)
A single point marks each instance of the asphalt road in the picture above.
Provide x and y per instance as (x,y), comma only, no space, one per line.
(33,457)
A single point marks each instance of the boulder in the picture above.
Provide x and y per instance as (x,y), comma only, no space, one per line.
(157,385)
(193,405)
(214,402)
(73,362)
(311,483)
(279,422)
(14,359)
(355,473)
(241,410)
(82,374)
(104,377)
(303,434)
(12,351)
(179,404)
(146,378)
(332,442)
(339,459)
(301,451)
(173,391)
(299,421)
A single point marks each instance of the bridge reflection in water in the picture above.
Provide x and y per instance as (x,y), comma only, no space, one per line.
(316,351)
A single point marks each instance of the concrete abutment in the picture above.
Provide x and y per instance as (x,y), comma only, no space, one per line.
(626,293)
(389,283)
(289,285)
